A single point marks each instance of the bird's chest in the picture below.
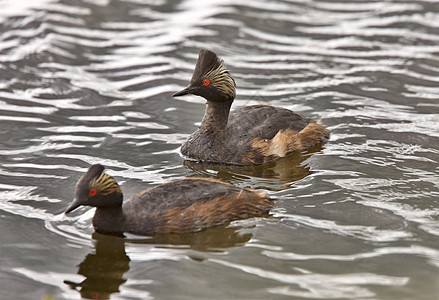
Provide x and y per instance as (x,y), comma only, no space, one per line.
(205,145)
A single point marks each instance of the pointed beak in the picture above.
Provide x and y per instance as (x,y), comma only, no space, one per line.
(75,204)
(187,90)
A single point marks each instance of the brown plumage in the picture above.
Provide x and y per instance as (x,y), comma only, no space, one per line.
(185,205)
(248,135)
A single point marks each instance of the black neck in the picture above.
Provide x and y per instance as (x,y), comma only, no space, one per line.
(109,219)
(216,116)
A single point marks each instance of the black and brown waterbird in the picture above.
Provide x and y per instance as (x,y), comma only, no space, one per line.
(185,205)
(248,135)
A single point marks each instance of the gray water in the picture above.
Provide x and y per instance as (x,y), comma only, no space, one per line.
(90,81)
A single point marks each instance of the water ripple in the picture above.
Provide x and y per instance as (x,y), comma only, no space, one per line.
(369,233)
(320,286)
(91,82)
(431,254)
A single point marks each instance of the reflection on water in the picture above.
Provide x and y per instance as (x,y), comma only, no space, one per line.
(103,269)
(276,175)
(105,266)
(85,82)
(215,239)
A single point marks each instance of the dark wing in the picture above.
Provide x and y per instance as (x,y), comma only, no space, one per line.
(192,204)
(179,193)
(263,121)
(184,192)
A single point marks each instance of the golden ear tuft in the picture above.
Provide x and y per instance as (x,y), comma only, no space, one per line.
(105,184)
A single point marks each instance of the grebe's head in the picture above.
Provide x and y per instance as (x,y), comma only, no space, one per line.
(96,188)
(210,80)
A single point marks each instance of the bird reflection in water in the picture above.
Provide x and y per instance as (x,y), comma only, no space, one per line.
(214,239)
(105,267)
(272,176)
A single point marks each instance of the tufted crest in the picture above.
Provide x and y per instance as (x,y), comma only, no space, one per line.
(210,66)
(96,188)
(207,61)
(105,184)
(93,172)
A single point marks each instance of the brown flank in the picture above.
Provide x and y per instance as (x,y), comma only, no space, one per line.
(287,141)
(201,215)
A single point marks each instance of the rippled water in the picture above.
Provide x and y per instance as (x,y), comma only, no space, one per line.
(86,82)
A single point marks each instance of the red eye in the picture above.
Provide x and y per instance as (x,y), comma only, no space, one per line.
(206,82)
(92,192)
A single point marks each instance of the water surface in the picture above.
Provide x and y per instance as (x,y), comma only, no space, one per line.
(85,82)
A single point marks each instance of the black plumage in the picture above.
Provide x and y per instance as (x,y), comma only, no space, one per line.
(248,135)
(185,205)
